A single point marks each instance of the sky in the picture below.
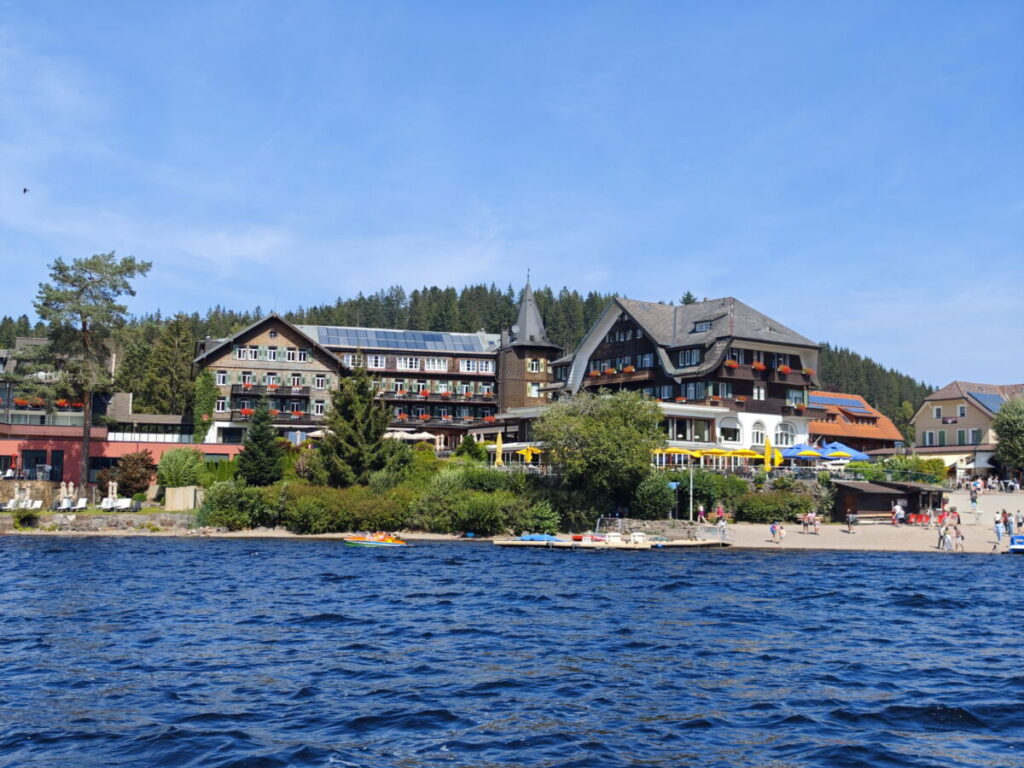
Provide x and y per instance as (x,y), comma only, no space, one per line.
(854,170)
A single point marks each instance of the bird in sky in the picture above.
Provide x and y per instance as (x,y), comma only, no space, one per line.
(24,190)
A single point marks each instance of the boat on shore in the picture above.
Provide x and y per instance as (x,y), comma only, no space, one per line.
(375,540)
(1017,545)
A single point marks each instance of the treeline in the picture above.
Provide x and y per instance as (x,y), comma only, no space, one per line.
(895,394)
(150,343)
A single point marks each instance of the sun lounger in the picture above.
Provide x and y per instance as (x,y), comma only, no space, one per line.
(82,503)
(107,504)
(122,504)
(37,504)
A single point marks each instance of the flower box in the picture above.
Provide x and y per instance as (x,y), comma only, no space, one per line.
(446,393)
(609,371)
(680,399)
(400,393)
(20,402)
(272,387)
(62,403)
(486,395)
(785,369)
(246,412)
(298,414)
(594,374)
(488,419)
(741,398)
(78,405)
(759,366)
(731,364)
(446,417)
(808,371)
(247,385)
(274,412)
(424,392)
(628,369)
(403,416)
(424,417)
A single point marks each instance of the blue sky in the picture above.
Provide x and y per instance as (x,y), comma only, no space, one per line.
(852,169)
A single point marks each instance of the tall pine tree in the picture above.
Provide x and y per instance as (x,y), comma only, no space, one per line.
(167,384)
(260,462)
(353,444)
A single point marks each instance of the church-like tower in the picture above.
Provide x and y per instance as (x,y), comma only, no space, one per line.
(524,358)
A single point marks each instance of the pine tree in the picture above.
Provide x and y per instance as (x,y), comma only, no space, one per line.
(167,384)
(260,462)
(206,393)
(131,370)
(353,444)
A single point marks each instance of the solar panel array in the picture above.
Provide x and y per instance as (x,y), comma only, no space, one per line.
(850,404)
(992,402)
(375,338)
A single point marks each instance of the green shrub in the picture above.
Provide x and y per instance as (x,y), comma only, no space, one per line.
(139,497)
(25,518)
(180,467)
(134,473)
(232,505)
(469,448)
(653,499)
(769,506)
(784,483)
(218,472)
(541,517)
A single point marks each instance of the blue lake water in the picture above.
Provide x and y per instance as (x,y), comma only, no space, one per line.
(168,652)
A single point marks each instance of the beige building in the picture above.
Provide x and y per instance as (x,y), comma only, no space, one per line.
(955,424)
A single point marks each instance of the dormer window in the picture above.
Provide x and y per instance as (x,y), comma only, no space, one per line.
(702,326)
(689,357)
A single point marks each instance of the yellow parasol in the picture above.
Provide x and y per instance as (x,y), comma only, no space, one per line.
(498,461)
(680,451)
(714,452)
(745,453)
(529,452)
(808,453)
(767,454)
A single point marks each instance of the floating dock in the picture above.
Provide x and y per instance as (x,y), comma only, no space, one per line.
(612,541)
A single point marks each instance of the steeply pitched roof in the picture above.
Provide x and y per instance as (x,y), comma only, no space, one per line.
(988,397)
(529,328)
(215,345)
(675,326)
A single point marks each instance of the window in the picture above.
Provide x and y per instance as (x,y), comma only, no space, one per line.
(320,382)
(296,379)
(533,366)
(693,390)
(647,360)
(272,354)
(689,357)
(465,389)
(289,354)
(648,391)
(247,377)
(221,378)
(961,437)
(468,366)
(785,434)
(303,355)
(244,403)
(486,389)
(375,361)
(730,431)
(975,436)
(937,412)
(436,363)
(486,366)
(406,363)
(722,388)
(757,433)
(942,437)
(929,438)
(240,353)
(318,407)
(702,326)
(273,334)
(533,389)
(254,353)
(622,362)
(794,397)
(398,385)
(442,386)
(961,411)
(221,405)
(351,360)
(666,392)
(759,392)
(271,378)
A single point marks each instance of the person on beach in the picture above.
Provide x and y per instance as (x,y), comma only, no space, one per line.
(974,499)
(782,534)
(1020,521)
(806,521)
(773,531)
(1009,524)
(959,536)
(816,522)
(701,518)
(947,540)
(999,528)
(942,535)
(849,522)
(720,513)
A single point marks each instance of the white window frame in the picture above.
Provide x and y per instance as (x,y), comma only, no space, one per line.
(376,362)
(647,360)
(533,389)
(221,378)
(486,366)
(961,411)
(688,358)
(303,355)
(785,435)
(352,360)
(320,381)
(731,423)
(318,407)
(221,406)
(254,353)
(289,354)
(486,389)
(247,377)
(533,366)
(937,412)
(407,363)
(271,378)
(758,433)
(271,354)
(468,366)
(760,392)
(295,380)
(240,353)
(435,364)
(702,326)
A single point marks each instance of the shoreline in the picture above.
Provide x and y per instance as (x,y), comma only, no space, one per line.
(979,539)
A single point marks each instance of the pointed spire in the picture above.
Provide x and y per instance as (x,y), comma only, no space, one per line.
(529,328)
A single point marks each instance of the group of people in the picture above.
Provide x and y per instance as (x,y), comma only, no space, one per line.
(990,484)
(951,538)
(702,516)
(1005,523)
(811,521)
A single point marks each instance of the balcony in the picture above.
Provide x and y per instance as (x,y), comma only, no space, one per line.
(619,377)
(434,397)
(412,422)
(269,390)
(280,418)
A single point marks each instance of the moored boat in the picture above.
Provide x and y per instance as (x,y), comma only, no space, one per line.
(1017,545)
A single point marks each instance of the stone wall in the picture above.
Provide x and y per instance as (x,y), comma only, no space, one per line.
(37,489)
(64,521)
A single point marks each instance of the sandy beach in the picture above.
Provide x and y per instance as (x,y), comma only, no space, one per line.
(979,532)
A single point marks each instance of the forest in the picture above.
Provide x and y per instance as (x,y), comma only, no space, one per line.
(153,348)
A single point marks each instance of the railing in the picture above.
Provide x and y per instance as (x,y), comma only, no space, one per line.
(436,397)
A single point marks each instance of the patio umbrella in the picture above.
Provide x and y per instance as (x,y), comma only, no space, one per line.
(681,452)
(714,452)
(498,461)
(801,451)
(529,452)
(745,453)
(768,455)
(854,453)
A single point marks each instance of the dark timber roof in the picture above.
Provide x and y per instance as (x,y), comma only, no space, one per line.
(529,328)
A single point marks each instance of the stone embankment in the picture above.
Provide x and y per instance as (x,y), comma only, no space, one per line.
(93,523)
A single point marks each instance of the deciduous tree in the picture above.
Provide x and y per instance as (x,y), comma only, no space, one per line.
(1009,428)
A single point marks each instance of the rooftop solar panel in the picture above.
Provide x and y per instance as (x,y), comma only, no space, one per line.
(992,402)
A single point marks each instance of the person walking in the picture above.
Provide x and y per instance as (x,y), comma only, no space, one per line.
(942,535)
(959,536)
(782,534)
(999,528)
(701,518)
(974,499)
(773,531)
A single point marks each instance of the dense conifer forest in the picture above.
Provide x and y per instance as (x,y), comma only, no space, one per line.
(154,340)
